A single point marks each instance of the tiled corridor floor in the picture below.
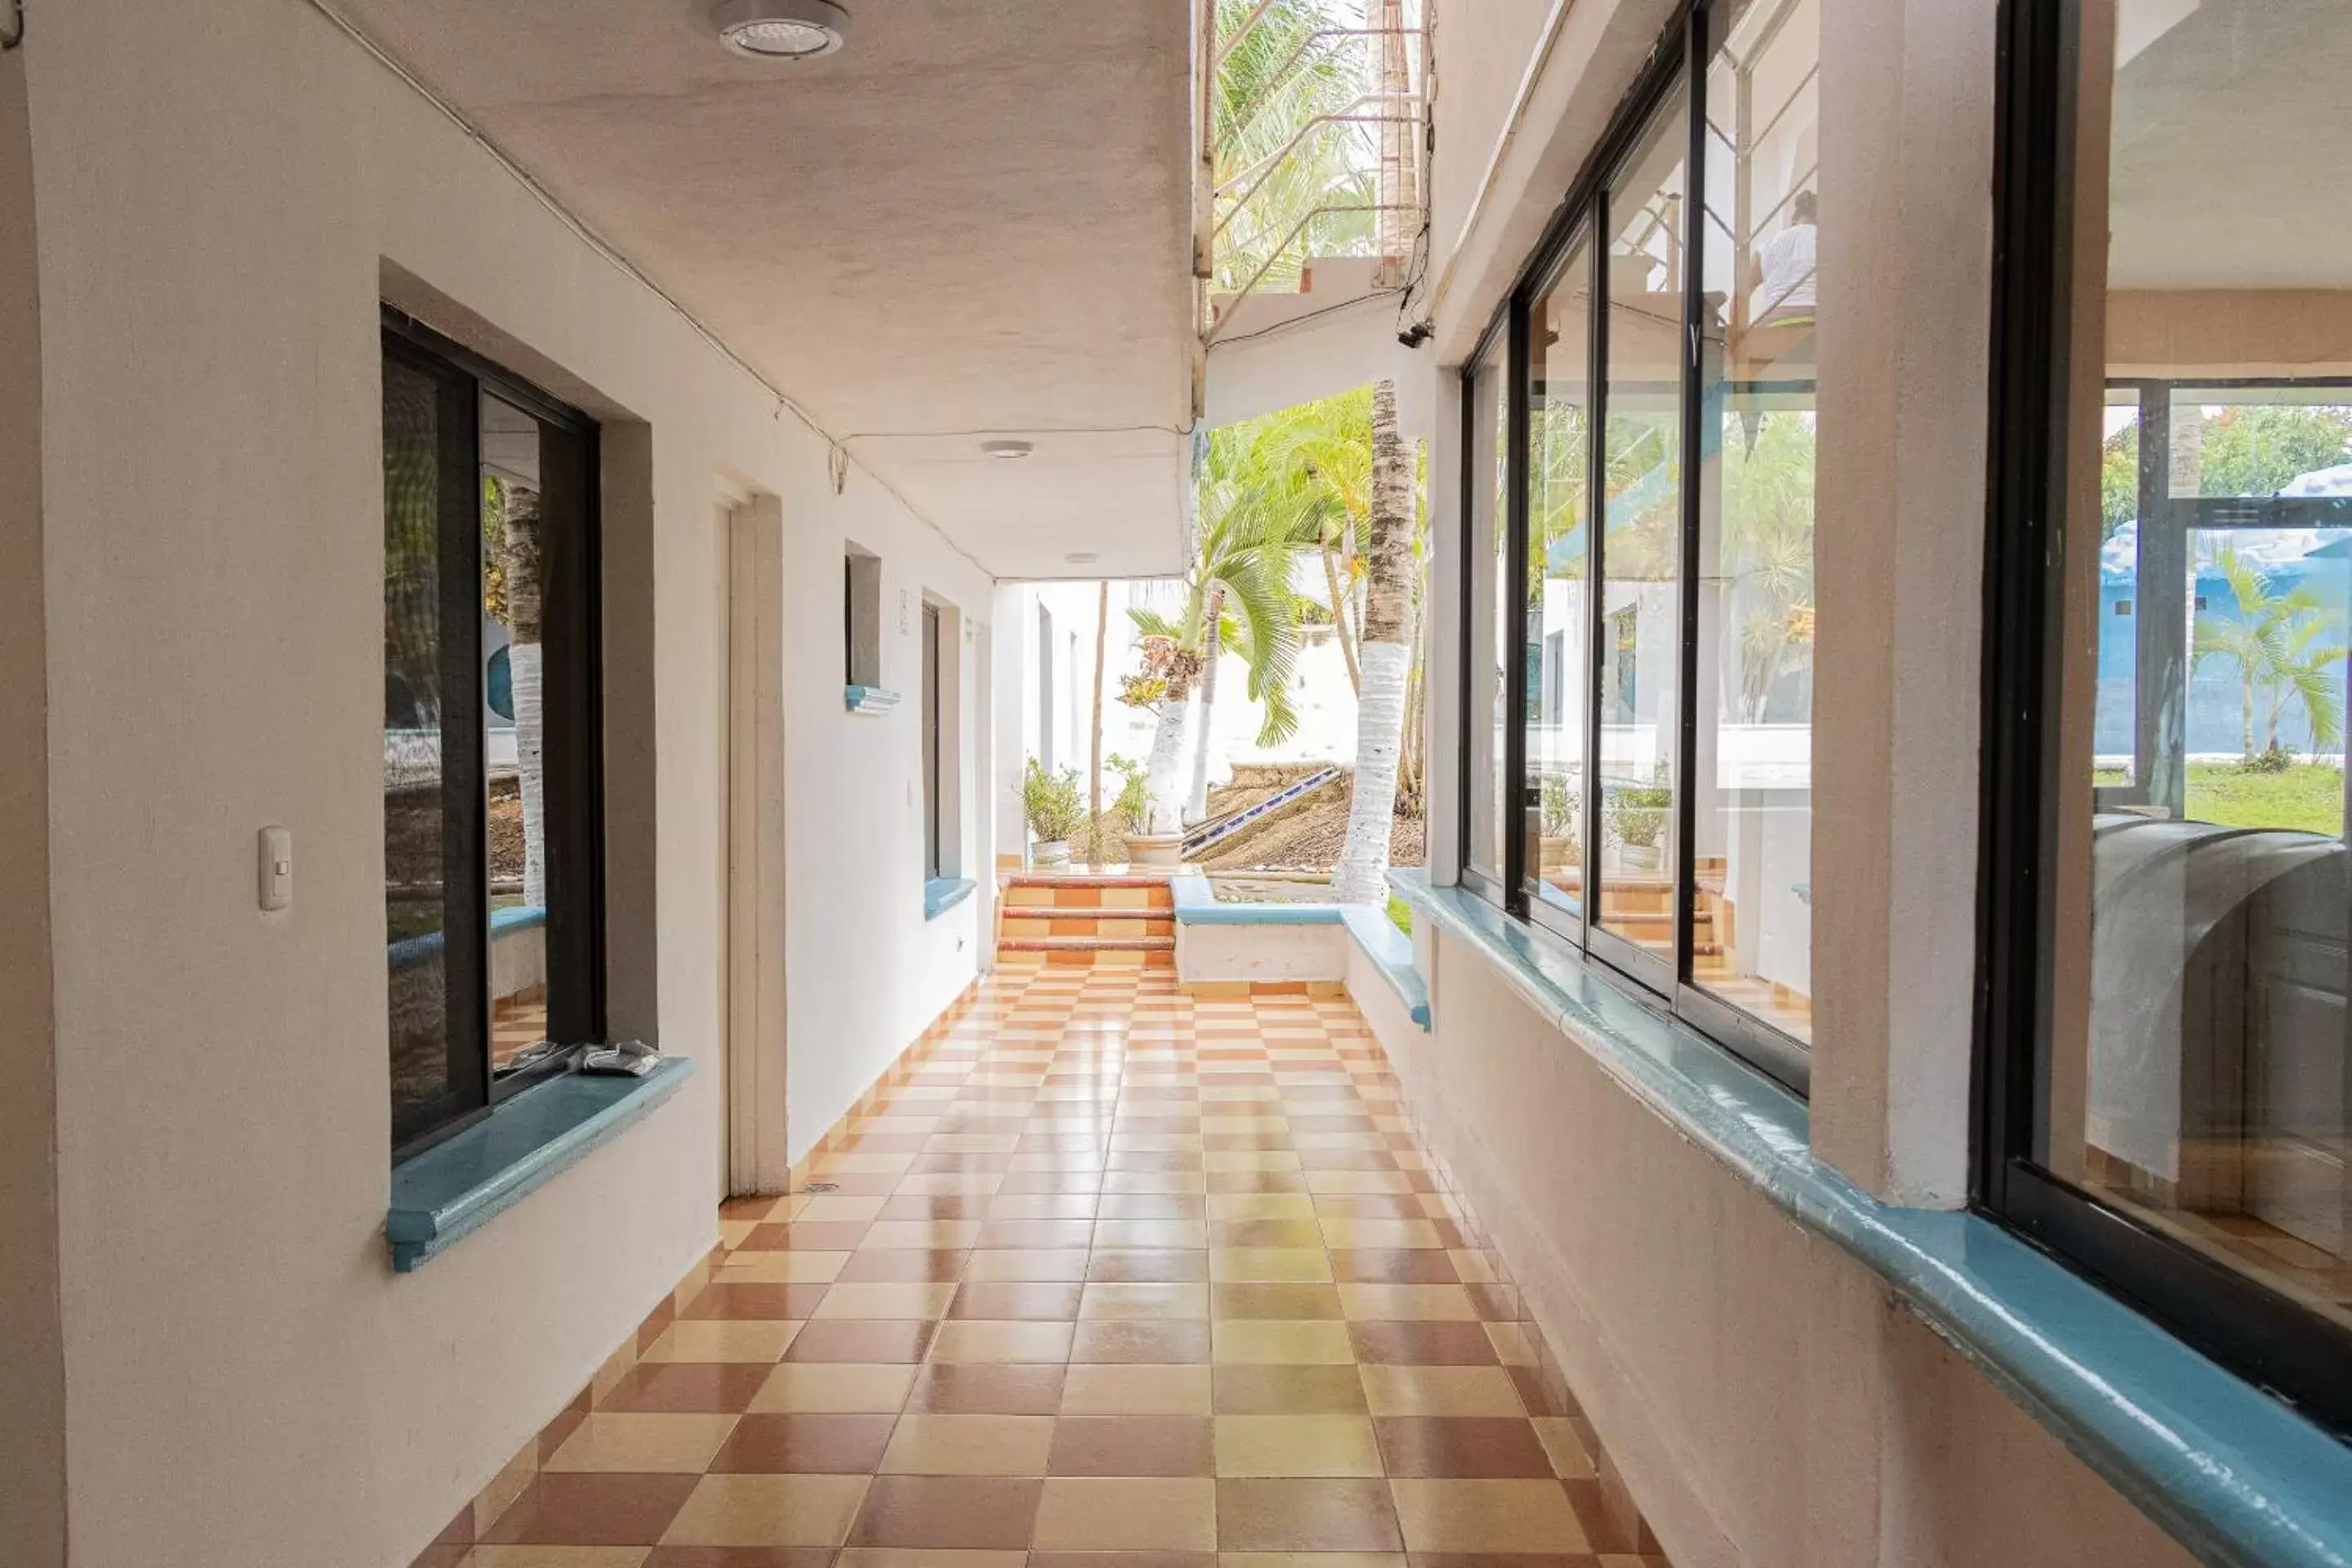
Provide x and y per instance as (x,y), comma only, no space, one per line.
(1117,1270)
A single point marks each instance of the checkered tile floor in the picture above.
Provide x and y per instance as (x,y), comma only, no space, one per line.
(1116,1271)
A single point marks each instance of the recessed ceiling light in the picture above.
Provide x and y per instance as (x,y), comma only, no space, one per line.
(779,29)
(1008,451)
(1080,558)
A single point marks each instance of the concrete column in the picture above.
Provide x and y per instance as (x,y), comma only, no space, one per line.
(1907,92)
(1444,608)
(32,1348)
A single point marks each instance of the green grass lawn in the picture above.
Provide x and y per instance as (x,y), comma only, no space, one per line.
(2308,795)
(1400,913)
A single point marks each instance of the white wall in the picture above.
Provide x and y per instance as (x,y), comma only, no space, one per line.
(219,189)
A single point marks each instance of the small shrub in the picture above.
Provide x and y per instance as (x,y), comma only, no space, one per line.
(1561,807)
(2271,760)
(1051,802)
(1638,813)
(1134,802)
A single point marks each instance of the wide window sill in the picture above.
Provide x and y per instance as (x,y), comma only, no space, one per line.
(454,1188)
(942,894)
(2231,1473)
(872,700)
(1390,951)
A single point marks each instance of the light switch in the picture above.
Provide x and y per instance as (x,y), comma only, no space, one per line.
(277,868)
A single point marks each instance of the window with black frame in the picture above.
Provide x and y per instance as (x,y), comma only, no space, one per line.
(492,750)
(1647,395)
(2166,1088)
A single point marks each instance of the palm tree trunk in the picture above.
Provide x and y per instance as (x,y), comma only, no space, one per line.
(1196,799)
(1167,756)
(521,544)
(1387,656)
(2249,741)
(1094,759)
(1340,624)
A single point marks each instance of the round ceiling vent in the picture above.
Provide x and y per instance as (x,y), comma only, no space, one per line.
(779,29)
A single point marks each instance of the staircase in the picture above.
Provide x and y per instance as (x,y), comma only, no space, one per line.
(1078,918)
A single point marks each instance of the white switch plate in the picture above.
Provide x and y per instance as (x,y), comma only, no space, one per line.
(277,868)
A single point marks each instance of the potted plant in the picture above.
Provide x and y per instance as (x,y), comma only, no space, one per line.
(1637,816)
(1560,813)
(1134,807)
(1050,801)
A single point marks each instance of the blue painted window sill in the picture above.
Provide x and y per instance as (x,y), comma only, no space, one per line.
(1390,951)
(455,1187)
(869,700)
(2234,1475)
(942,894)
(1196,905)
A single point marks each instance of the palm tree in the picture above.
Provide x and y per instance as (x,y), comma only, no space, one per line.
(2271,641)
(1277,78)
(1237,598)
(1387,654)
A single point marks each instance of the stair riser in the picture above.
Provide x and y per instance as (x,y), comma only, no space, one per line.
(1108,924)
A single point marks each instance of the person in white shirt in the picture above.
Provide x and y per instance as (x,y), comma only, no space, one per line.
(1784,284)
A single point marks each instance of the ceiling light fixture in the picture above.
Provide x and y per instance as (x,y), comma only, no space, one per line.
(779,29)
(1008,451)
(1080,558)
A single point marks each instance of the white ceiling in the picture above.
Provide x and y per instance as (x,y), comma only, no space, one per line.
(2228,138)
(971,220)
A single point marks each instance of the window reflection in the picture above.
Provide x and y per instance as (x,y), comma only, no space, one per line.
(2198,1071)
(1641,599)
(1558,650)
(1752,894)
(1490,584)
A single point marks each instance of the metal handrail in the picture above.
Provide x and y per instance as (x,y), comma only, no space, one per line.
(1297,228)
(1282,74)
(1268,168)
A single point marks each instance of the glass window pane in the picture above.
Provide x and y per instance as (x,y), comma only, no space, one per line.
(1641,604)
(2197,1068)
(1751,861)
(418,833)
(1559,636)
(514,738)
(1489,567)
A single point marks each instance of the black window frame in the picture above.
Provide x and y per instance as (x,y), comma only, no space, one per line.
(2260,1334)
(1678,62)
(934,627)
(572,698)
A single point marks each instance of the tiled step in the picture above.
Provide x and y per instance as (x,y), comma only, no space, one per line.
(1056,919)
(1137,952)
(1032,890)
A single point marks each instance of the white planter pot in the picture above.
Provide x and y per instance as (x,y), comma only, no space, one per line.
(1155,849)
(1050,852)
(1638,857)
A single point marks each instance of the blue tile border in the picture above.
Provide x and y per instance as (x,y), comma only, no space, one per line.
(942,894)
(869,700)
(455,1187)
(1197,905)
(2232,1474)
(1390,951)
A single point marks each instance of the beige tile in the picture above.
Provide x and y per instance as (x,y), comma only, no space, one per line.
(969,1446)
(932,1235)
(1276,1446)
(834,1388)
(1485,1516)
(1440,1391)
(1346,1235)
(919,1557)
(1102,1515)
(1569,1462)
(1009,1265)
(557,1556)
(1270,1264)
(768,1511)
(1513,1345)
(1410,1303)
(835,1207)
(1354,1181)
(1310,1560)
(1282,1340)
(1251,1159)
(667,1443)
(1261,1205)
(988,1339)
(885,1301)
(781,1267)
(1143,1389)
(1470,1266)
(862,1164)
(1145,1301)
(721,1338)
(949,1184)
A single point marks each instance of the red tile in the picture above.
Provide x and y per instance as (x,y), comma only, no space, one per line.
(1133,1267)
(1499,1447)
(1399,1266)
(897,1265)
(862,1339)
(1033,1300)
(806,1445)
(739,1557)
(761,1303)
(827,1237)
(592,1510)
(1132,1446)
(969,1512)
(714,1387)
(1306,1516)
(986,1388)
(1390,1343)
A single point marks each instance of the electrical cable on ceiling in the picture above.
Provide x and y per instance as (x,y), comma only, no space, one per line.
(612,254)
